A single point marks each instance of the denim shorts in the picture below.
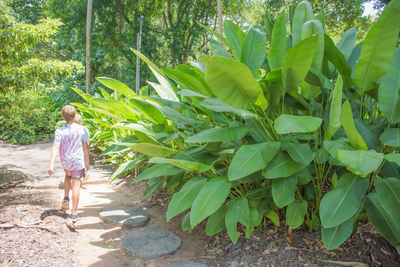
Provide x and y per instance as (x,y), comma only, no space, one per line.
(75,174)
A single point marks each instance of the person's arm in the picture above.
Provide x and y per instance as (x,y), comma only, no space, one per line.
(86,153)
(53,154)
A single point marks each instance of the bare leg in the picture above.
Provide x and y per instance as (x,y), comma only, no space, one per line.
(67,186)
(76,186)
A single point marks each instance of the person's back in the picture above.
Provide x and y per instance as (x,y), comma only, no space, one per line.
(70,138)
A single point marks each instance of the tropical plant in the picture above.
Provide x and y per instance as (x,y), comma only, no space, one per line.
(257,132)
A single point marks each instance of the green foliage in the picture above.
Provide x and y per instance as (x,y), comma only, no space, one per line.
(24,118)
(247,143)
(33,82)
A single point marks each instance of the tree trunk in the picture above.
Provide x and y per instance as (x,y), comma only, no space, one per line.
(88,32)
(219,3)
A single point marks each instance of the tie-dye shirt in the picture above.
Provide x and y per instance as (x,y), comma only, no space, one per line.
(70,138)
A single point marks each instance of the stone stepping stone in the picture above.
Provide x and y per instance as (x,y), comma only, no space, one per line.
(150,243)
(186,264)
(124,216)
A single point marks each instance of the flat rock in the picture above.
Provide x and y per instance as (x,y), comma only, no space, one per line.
(150,242)
(186,264)
(124,216)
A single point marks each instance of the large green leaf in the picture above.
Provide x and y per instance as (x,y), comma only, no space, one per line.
(297,62)
(190,93)
(219,135)
(273,217)
(365,130)
(186,222)
(259,193)
(251,158)
(153,185)
(85,96)
(388,191)
(346,44)
(164,89)
(335,236)
(218,50)
(187,81)
(335,110)
(355,55)
(235,36)
(360,162)
(268,25)
(285,124)
(335,56)
(117,86)
(283,190)
(177,117)
(393,157)
(149,111)
(238,212)
(116,106)
(333,146)
(316,78)
(254,49)
(382,220)
(232,82)
(196,73)
(304,176)
(340,204)
(224,40)
(389,99)
(300,153)
(183,199)
(282,166)
(302,13)
(140,128)
(157,171)
(210,198)
(278,45)
(126,166)
(184,164)
(391,137)
(378,49)
(216,222)
(112,114)
(295,213)
(215,104)
(346,119)
(310,28)
(151,150)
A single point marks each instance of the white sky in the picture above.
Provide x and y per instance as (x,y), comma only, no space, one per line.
(369,9)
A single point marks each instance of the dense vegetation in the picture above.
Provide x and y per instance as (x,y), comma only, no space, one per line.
(44,47)
(293,118)
(301,130)
(30,73)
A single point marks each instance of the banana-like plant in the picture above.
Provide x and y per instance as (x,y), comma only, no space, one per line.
(252,133)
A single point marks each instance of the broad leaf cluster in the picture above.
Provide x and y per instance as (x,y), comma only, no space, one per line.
(301,130)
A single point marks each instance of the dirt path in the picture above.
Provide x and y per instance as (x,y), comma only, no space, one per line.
(93,243)
(48,242)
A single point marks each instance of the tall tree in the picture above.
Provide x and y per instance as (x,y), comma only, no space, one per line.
(219,16)
(88,41)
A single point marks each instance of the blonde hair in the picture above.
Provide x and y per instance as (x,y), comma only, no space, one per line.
(68,113)
(78,119)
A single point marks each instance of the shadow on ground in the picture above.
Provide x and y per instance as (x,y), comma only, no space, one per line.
(9,173)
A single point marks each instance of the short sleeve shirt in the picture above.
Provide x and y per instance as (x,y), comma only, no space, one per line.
(70,138)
